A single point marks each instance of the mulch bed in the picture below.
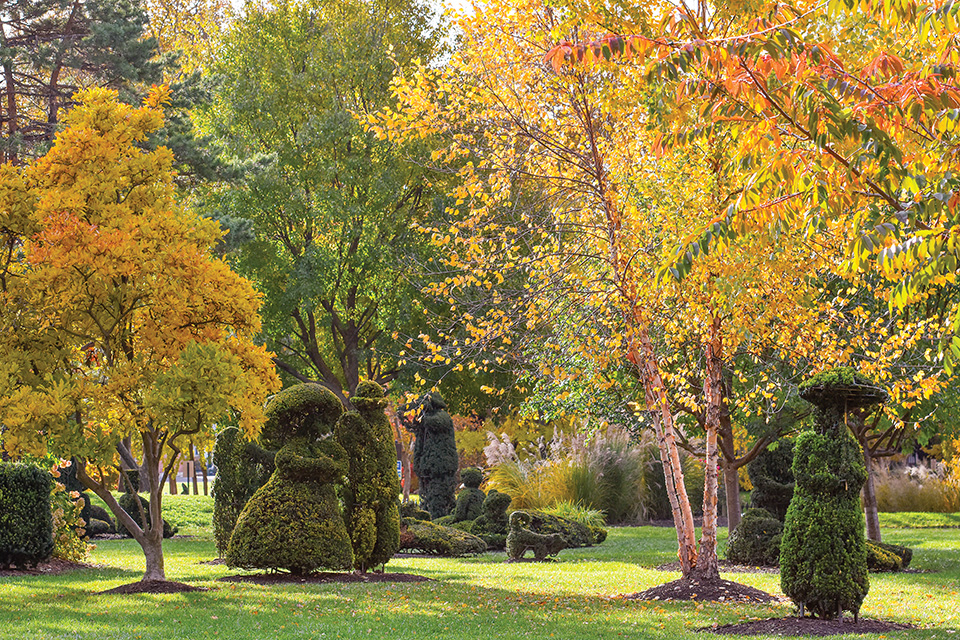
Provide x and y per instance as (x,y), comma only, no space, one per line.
(213,562)
(726,567)
(321,578)
(793,626)
(51,567)
(705,591)
(153,586)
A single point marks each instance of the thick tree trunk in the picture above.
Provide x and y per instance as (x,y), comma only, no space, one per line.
(731,485)
(707,566)
(870,498)
(658,405)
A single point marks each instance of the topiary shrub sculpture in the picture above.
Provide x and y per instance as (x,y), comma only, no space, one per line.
(823,556)
(26,525)
(522,539)
(492,524)
(470,499)
(434,539)
(293,522)
(435,459)
(369,496)
(412,510)
(771,474)
(242,468)
(137,506)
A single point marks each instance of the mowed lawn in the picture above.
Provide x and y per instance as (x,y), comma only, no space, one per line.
(476,598)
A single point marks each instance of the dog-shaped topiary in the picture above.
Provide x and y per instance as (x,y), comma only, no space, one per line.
(521,539)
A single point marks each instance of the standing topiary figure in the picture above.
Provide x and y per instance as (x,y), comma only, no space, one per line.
(435,458)
(823,555)
(293,522)
(242,468)
(470,499)
(370,506)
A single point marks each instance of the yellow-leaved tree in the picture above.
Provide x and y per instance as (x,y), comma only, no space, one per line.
(118,323)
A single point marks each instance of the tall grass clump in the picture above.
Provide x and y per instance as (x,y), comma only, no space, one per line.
(921,489)
(607,471)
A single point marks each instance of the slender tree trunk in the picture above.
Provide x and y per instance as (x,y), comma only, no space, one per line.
(707,566)
(659,406)
(870,498)
(731,485)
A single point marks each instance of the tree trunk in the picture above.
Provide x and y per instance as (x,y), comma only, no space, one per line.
(707,566)
(658,404)
(870,498)
(731,485)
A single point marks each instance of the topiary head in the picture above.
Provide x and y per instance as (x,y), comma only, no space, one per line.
(471,477)
(520,520)
(496,504)
(369,396)
(301,411)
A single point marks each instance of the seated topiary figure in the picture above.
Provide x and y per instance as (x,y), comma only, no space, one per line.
(771,474)
(522,539)
(435,459)
(370,493)
(470,499)
(492,524)
(756,540)
(293,522)
(434,539)
(823,555)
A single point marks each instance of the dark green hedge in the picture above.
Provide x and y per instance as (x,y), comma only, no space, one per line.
(128,503)
(26,525)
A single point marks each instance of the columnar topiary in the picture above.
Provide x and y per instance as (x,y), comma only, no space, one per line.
(242,468)
(293,522)
(26,525)
(771,474)
(823,556)
(370,506)
(435,459)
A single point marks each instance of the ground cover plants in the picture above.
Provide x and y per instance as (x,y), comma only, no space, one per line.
(467,597)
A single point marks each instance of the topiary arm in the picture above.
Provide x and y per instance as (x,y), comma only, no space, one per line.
(258,455)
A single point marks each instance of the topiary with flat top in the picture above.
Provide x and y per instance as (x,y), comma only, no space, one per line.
(435,459)
(26,524)
(370,494)
(293,522)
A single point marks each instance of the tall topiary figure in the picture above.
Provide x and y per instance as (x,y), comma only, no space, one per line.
(370,494)
(823,555)
(293,522)
(435,458)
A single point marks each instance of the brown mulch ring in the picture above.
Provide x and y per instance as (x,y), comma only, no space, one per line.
(793,626)
(322,577)
(705,591)
(214,561)
(51,567)
(725,566)
(153,586)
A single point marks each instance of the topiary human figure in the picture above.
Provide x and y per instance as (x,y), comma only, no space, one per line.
(492,524)
(293,522)
(435,458)
(470,499)
(242,468)
(823,555)
(771,474)
(370,506)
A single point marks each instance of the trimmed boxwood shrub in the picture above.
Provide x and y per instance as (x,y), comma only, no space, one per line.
(823,556)
(887,557)
(99,513)
(26,524)
(771,474)
(370,493)
(435,459)
(434,539)
(293,522)
(756,540)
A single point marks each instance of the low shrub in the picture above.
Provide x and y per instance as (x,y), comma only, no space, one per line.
(756,540)
(128,502)
(97,527)
(26,521)
(573,533)
(413,510)
(887,557)
(434,539)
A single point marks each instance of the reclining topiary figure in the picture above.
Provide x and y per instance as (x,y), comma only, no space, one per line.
(293,522)
(521,539)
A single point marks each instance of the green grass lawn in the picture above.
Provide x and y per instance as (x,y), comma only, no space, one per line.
(476,598)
